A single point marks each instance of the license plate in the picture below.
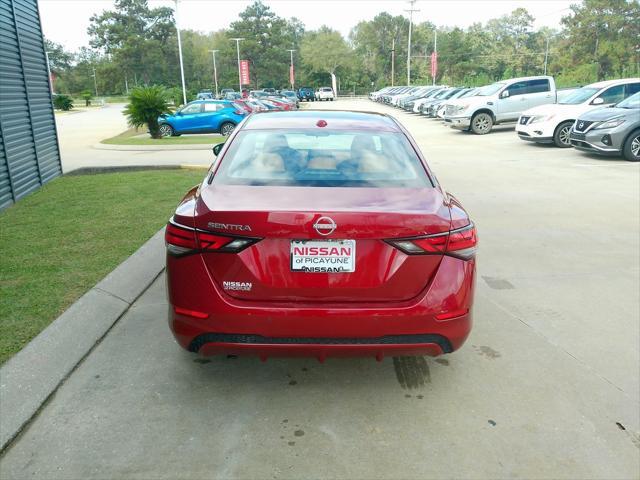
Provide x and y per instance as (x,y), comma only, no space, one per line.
(323,256)
(578,136)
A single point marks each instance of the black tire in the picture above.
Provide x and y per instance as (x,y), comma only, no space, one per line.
(226,128)
(561,135)
(167,130)
(481,123)
(631,149)
(331,99)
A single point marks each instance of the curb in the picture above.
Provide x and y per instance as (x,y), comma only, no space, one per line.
(153,148)
(32,375)
(124,168)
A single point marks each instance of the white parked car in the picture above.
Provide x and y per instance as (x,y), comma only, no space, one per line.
(552,123)
(324,93)
(500,102)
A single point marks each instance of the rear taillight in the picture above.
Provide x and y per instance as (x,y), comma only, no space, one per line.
(461,243)
(183,240)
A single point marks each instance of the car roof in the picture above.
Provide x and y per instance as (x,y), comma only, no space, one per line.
(608,83)
(521,79)
(308,119)
(210,101)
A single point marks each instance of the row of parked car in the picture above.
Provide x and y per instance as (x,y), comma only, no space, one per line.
(602,117)
(210,115)
(302,94)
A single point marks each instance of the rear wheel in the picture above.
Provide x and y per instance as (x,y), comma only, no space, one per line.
(631,149)
(561,135)
(167,130)
(481,123)
(226,128)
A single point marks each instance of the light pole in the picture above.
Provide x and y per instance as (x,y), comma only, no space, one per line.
(215,70)
(411,10)
(184,88)
(238,40)
(46,54)
(546,56)
(95,81)
(435,49)
(393,60)
(291,69)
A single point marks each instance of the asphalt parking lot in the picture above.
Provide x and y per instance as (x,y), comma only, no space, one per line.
(547,385)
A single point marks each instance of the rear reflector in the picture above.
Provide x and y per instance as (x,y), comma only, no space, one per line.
(190,313)
(461,243)
(453,314)
(183,240)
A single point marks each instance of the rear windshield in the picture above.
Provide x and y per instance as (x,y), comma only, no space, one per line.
(330,159)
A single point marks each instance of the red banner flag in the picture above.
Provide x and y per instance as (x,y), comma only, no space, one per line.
(434,64)
(292,77)
(244,72)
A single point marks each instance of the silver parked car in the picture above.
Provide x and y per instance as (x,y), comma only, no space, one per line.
(610,131)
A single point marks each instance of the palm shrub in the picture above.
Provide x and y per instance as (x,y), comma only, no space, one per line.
(62,102)
(87,96)
(146,104)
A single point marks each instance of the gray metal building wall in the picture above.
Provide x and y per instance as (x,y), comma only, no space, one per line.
(29,154)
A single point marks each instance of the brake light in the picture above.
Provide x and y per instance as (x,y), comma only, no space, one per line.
(461,243)
(182,240)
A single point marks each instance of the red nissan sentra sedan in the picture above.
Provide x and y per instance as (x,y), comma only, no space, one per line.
(320,233)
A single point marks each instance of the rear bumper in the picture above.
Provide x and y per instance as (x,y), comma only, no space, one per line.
(399,345)
(319,330)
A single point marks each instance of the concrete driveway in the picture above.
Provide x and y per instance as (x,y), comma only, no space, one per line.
(547,385)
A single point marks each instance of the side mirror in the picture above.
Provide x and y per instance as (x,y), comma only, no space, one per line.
(598,101)
(216,149)
(504,94)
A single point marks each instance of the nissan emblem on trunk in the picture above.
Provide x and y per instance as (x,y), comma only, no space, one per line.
(325,226)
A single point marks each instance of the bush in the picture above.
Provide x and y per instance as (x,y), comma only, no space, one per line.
(62,102)
(87,96)
(146,104)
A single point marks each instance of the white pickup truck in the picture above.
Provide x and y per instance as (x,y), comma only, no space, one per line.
(324,93)
(500,102)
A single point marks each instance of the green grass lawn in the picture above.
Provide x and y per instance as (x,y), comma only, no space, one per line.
(130,137)
(60,241)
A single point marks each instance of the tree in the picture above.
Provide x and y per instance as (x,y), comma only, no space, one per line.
(59,59)
(267,38)
(605,33)
(146,104)
(325,51)
(140,40)
(373,41)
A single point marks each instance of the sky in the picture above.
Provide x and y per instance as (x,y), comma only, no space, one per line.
(66,21)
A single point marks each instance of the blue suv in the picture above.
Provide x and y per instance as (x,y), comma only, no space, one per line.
(208,116)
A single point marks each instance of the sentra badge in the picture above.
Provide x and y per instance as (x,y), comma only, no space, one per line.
(229,226)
